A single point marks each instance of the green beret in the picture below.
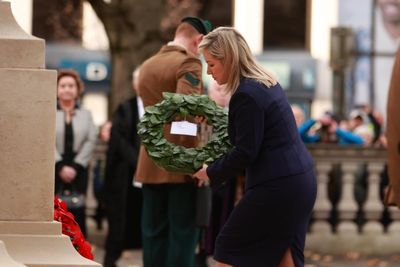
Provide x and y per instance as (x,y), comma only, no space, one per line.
(202,26)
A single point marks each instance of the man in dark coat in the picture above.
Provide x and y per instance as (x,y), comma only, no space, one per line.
(123,201)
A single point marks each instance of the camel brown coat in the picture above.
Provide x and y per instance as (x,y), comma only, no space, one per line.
(393,135)
(174,70)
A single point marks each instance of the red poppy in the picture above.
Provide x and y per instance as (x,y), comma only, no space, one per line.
(71,228)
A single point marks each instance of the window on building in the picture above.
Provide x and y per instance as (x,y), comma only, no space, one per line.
(219,12)
(285,24)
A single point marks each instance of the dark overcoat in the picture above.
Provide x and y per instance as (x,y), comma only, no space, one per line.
(121,160)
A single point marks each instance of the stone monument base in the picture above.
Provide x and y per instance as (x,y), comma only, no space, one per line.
(40,244)
(6,260)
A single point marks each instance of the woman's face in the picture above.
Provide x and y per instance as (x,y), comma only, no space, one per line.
(215,68)
(390,10)
(67,89)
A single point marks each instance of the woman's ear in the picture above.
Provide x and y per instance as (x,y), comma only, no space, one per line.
(198,39)
(195,44)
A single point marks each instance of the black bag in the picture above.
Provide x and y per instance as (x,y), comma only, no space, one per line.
(203,206)
(73,198)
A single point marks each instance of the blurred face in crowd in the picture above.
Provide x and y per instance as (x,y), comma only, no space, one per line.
(298,115)
(328,124)
(105,131)
(215,68)
(390,10)
(67,89)
(355,122)
(326,120)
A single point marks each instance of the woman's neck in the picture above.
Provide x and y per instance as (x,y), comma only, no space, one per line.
(67,106)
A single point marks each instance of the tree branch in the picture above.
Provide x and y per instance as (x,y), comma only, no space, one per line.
(100,7)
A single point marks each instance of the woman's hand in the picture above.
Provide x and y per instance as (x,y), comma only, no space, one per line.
(199,119)
(67,174)
(202,176)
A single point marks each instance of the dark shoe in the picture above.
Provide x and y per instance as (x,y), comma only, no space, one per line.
(107,264)
(99,221)
(201,260)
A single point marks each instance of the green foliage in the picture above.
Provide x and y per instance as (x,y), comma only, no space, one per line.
(177,158)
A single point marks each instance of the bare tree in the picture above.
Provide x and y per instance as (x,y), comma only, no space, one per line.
(136,30)
(59,21)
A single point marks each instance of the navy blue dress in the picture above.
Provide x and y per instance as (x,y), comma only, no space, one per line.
(273,214)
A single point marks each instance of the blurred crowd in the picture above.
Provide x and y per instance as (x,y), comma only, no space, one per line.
(363,126)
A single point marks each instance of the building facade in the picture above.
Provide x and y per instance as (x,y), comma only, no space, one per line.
(293,38)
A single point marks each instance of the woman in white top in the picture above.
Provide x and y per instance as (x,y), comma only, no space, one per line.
(75,141)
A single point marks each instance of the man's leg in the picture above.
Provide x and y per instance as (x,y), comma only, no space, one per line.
(115,207)
(184,234)
(154,225)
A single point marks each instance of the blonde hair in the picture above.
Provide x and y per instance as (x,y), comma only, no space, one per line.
(228,45)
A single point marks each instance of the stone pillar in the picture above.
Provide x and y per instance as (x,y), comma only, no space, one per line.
(347,232)
(373,207)
(249,21)
(27,144)
(347,206)
(6,260)
(320,228)
(323,206)
(394,227)
(324,16)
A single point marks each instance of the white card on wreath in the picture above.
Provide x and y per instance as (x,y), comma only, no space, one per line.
(184,128)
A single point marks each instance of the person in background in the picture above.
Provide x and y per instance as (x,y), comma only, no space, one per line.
(268,226)
(299,115)
(122,200)
(328,131)
(76,137)
(98,175)
(105,132)
(360,125)
(390,15)
(169,232)
(377,122)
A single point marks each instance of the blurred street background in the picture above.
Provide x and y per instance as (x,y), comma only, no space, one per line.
(333,58)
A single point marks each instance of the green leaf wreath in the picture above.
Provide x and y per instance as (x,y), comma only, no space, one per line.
(177,158)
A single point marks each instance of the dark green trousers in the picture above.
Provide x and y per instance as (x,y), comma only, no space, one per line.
(168,225)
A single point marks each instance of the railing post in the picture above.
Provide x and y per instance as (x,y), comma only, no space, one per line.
(373,206)
(347,236)
(394,227)
(347,206)
(322,206)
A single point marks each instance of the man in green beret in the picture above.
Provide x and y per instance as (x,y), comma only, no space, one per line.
(168,219)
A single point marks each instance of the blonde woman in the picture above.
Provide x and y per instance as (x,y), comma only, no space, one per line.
(75,141)
(268,225)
